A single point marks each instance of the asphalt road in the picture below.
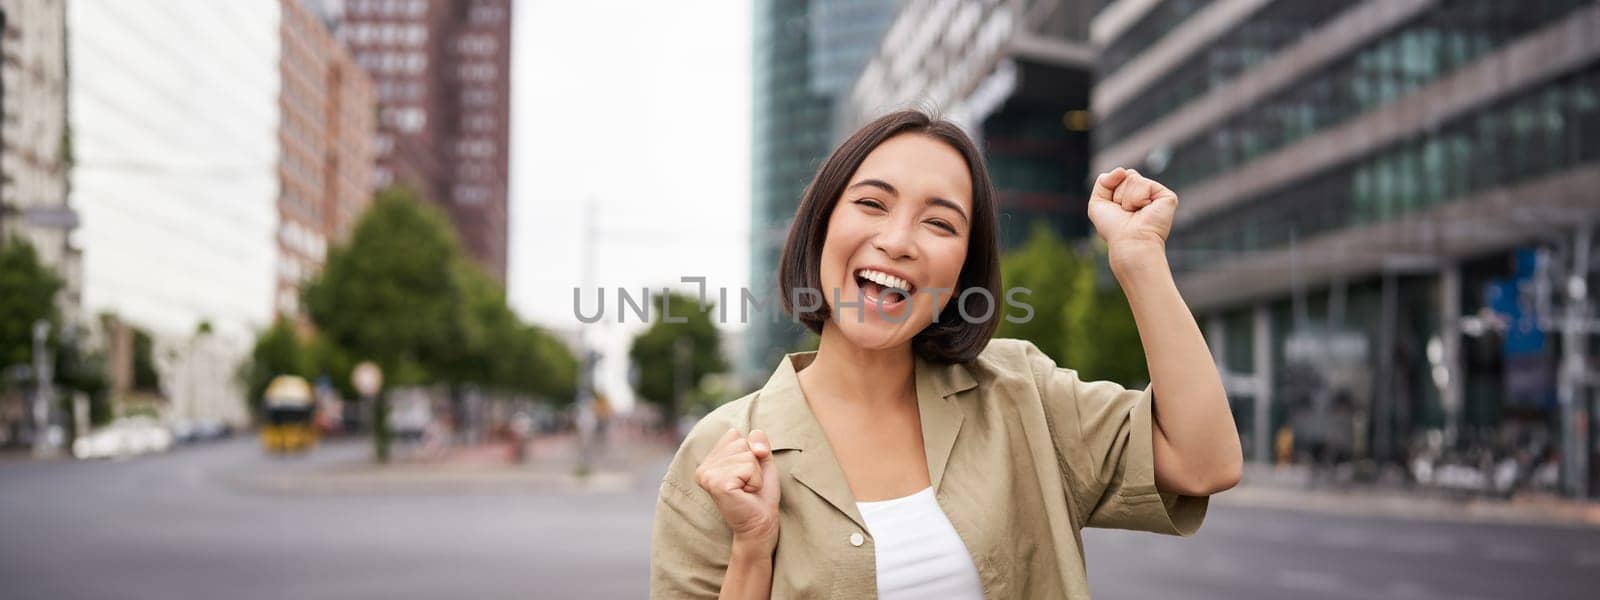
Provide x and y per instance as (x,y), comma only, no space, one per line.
(176,526)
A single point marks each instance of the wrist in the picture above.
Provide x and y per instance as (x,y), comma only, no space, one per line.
(752,551)
(1132,257)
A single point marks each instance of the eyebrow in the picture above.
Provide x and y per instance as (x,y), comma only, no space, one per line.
(884,185)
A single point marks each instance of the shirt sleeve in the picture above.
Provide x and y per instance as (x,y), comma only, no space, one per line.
(1104,438)
(690,542)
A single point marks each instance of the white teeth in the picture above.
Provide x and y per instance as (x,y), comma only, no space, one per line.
(884,279)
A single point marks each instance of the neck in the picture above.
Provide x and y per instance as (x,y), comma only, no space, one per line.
(870,376)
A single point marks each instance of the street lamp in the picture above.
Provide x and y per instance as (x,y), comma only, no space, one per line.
(367,378)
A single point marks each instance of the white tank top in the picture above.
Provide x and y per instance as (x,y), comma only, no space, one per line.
(918,552)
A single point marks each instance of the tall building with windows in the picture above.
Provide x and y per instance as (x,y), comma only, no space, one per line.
(218,148)
(443,77)
(34,153)
(326,129)
(1016,76)
(807,54)
(1387,215)
(33,162)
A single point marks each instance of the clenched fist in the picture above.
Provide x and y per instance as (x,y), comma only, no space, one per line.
(1129,208)
(742,479)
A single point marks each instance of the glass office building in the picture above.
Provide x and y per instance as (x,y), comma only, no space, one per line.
(1388,214)
(807,53)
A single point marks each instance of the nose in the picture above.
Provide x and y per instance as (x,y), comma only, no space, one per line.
(896,239)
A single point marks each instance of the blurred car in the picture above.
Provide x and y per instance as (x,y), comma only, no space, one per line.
(186,431)
(410,412)
(130,436)
(212,429)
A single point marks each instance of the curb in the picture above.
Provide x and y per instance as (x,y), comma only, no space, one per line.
(1403,506)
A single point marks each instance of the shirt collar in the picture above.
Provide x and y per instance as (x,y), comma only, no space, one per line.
(782,412)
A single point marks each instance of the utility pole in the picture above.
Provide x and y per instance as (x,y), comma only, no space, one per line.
(1573,381)
(586,356)
(44,389)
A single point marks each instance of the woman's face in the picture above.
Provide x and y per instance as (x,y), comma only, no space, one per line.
(901,226)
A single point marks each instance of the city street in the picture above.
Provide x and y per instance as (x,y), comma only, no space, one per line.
(173,526)
(179,525)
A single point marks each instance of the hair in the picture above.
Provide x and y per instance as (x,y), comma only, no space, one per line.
(951,339)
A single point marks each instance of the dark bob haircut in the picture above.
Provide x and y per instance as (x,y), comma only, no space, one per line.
(951,339)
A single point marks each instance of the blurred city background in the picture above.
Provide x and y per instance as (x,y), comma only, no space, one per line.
(296,295)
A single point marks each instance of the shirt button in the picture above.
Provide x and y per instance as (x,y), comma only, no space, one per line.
(856,539)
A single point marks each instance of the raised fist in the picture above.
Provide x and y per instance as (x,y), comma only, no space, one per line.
(742,479)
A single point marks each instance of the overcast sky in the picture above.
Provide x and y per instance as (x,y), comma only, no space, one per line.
(644,109)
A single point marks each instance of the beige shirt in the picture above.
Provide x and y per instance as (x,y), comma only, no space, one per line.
(1022,455)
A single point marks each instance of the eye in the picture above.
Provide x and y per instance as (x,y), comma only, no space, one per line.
(871,203)
(941,224)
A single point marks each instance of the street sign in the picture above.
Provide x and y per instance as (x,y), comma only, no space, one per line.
(51,217)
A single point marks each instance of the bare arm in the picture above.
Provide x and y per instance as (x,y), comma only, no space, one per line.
(749,574)
(742,479)
(1197,448)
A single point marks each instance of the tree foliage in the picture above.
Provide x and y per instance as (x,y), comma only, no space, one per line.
(391,294)
(278,351)
(655,352)
(1105,342)
(401,293)
(27,295)
(1048,267)
(1079,320)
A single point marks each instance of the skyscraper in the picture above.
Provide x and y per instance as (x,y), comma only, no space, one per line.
(807,55)
(1388,209)
(33,138)
(326,129)
(443,77)
(1016,77)
(219,149)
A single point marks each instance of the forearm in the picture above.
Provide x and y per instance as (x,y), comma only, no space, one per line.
(749,575)
(1197,445)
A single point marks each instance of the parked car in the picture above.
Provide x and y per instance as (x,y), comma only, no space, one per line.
(130,436)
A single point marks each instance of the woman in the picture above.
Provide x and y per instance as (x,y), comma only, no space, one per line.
(910,456)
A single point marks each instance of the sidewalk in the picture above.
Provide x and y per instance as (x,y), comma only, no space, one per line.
(550,465)
(1289,489)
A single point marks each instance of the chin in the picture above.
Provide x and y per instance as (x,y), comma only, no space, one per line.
(871,333)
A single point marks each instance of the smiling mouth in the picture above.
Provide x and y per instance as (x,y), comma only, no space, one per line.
(883,289)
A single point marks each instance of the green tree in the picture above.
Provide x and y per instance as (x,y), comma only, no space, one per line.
(1047,267)
(1081,318)
(537,363)
(277,351)
(326,359)
(145,376)
(665,351)
(497,350)
(483,328)
(27,295)
(392,295)
(1105,344)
